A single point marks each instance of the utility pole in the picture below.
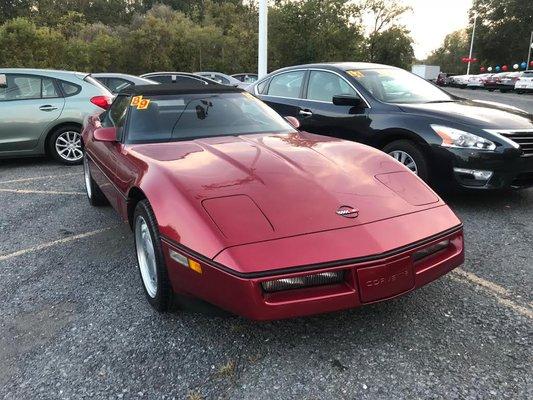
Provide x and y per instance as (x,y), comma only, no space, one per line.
(529,51)
(262,53)
(471,44)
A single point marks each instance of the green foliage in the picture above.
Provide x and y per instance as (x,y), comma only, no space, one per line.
(137,36)
(503,30)
(456,45)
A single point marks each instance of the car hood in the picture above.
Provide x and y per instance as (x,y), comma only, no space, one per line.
(253,188)
(482,114)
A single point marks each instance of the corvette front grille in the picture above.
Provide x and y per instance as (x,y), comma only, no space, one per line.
(524,138)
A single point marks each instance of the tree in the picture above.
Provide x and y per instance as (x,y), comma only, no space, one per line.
(503,30)
(448,56)
(313,31)
(393,46)
(383,16)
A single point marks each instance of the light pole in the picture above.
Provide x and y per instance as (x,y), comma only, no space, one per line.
(262,51)
(471,45)
(529,51)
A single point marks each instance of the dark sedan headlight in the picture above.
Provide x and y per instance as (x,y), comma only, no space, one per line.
(324,278)
(452,137)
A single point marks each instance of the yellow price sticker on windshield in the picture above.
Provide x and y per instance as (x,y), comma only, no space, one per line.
(140,102)
(355,74)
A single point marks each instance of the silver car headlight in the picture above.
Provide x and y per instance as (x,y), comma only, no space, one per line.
(452,137)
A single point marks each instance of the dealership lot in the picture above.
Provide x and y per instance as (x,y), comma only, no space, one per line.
(75,323)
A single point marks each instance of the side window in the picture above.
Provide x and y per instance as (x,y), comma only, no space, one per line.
(117,84)
(261,86)
(49,89)
(287,84)
(220,79)
(324,85)
(116,116)
(21,87)
(69,89)
(161,78)
(189,80)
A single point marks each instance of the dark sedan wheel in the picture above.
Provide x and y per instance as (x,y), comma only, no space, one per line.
(94,193)
(65,145)
(408,153)
(151,261)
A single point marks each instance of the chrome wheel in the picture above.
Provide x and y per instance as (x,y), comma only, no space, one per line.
(146,256)
(87,176)
(68,146)
(405,159)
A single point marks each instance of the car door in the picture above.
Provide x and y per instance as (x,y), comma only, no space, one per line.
(319,115)
(104,154)
(30,104)
(283,92)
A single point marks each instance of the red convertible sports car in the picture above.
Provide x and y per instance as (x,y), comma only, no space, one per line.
(230,203)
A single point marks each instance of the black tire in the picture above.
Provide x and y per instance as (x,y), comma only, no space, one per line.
(414,152)
(94,194)
(54,140)
(163,298)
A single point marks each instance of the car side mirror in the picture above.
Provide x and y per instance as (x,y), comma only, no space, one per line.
(348,100)
(3,81)
(105,134)
(293,121)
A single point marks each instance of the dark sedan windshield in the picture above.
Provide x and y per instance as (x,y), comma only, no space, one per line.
(393,85)
(190,116)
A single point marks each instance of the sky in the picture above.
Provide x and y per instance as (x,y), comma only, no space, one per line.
(431,20)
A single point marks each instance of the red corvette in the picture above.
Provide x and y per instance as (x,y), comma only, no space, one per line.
(230,203)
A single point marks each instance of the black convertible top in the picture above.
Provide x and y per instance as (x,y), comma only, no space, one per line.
(177,88)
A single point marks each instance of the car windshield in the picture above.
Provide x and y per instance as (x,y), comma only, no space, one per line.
(168,118)
(393,85)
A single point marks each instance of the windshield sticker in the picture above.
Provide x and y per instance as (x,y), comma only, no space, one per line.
(355,74)
(139,102)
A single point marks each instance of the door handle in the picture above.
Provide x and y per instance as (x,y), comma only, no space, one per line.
(305,113)
(47,107)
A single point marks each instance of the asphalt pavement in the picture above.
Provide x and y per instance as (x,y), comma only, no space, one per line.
(74,323)
(522,101)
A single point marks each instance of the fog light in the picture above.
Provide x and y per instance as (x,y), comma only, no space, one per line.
(420,254)
(477,174)
(324,278)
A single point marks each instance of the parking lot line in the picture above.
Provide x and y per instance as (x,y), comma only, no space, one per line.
(501,294)
(25,191)
(40,177)
(50,244)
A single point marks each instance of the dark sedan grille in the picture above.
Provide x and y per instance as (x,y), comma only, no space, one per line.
(522,138)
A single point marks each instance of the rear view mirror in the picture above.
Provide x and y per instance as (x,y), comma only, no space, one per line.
(3,81)
(348,100)
(293,121)
(105,134)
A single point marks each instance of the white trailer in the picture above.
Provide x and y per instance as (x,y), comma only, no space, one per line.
(429,72)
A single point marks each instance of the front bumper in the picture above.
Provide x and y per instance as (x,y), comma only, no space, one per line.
(511,169)
(366,281)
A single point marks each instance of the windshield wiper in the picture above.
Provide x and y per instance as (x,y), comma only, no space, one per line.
(441,101)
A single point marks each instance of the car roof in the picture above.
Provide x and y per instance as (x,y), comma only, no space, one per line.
(344,66)
(42,71)
(176,88)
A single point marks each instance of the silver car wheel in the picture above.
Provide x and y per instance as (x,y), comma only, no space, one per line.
(68,146)
(405,159)
(146,256)
(87,175)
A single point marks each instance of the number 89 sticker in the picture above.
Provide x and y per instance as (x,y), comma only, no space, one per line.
(139,102)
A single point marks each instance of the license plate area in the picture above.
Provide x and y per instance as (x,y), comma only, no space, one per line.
(386,280)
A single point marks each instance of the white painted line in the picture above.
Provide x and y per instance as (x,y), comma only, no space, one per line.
(50,244)
(495,290)
(24,191)
(40,177)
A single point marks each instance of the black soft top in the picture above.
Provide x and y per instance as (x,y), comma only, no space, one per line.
(176,88)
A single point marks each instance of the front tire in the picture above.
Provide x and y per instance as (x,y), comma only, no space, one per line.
(94,194)
(409,154)
(150,259)
(65,145)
